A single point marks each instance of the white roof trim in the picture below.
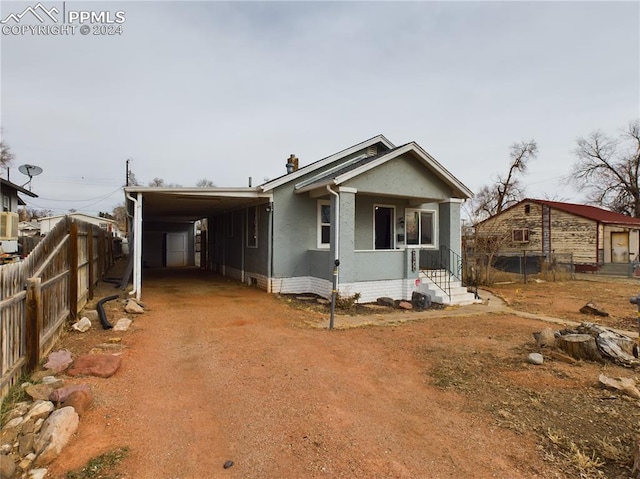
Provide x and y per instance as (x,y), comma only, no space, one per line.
(426,158)
(245,192)
(78,213)
(325,161)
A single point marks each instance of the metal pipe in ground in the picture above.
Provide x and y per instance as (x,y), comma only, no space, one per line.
(636,349)
(334,292)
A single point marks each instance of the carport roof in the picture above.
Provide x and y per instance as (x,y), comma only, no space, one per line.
(191,204)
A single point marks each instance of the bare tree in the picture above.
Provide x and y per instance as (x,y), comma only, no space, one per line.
(506,190)
(30,214)
(160,183)
(119,214)
(132,181)
(608,169)
(6,155)
(205,183)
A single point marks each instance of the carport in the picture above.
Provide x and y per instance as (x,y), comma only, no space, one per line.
(163,223)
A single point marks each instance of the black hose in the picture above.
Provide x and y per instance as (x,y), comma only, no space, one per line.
(103,317)
(115,281)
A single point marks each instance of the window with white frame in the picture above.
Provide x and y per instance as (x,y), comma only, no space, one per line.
(252,227)
(420,228)
(520,235)
(324,223)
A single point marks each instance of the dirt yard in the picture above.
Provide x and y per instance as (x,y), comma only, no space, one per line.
(216,371)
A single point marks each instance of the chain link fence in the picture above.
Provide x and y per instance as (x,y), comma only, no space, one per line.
(485,268)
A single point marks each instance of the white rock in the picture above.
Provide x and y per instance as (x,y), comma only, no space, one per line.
(55,434)
(13,423)
(535,358)
(40,409)
(37,473)
(82,325)
(122,324)
(133,307)
(50,380)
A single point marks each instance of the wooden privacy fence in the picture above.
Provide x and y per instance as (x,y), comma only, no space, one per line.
(51,285)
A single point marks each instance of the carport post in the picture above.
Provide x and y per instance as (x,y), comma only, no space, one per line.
(137,248)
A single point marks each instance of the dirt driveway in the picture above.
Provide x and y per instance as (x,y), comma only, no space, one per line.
(217,371)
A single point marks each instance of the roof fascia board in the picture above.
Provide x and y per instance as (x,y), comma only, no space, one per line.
(326,161)
(195,192)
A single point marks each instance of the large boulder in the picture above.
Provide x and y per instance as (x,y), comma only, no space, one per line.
(101,365)
(55,434)
(385,301)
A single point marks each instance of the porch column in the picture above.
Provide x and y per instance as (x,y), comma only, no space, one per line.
(450,225)
(345,222)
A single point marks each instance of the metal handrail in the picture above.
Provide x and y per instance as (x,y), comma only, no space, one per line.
(432,262)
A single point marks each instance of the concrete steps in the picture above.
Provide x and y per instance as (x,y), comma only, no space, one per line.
(458,293)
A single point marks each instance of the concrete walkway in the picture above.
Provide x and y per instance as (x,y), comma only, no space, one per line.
(491,304)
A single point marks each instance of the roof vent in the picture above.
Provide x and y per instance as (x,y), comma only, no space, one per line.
(372,150)
(292,163)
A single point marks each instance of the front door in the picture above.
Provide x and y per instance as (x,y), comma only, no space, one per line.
(176,249)
(383,227)
(620,247)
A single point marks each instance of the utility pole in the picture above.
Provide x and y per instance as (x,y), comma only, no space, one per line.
(127,180)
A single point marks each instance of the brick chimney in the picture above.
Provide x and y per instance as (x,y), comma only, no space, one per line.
(292,163)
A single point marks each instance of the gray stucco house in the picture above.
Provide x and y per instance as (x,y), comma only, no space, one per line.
(390,214)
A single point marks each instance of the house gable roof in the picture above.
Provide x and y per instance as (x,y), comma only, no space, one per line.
(590,212)
(352,169)
(584,211)
(305,170)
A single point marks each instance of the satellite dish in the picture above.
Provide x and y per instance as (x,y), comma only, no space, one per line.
(30,171)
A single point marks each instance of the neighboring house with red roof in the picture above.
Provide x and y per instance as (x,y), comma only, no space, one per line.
(594,237)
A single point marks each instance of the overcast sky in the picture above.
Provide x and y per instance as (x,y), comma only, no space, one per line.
(225,91)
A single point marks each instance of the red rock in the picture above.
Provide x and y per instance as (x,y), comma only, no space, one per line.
(61,395)
(101,365)
(405,305)
(79,400)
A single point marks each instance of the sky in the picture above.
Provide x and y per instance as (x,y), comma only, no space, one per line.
(228,90)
